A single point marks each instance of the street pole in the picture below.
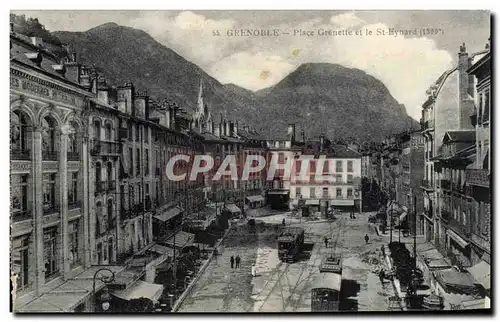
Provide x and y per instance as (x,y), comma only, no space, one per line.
(390,222)
(415,230)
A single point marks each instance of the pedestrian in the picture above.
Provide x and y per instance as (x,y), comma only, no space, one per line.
(326,242)
(238,259)
(367,238)
(381,275)
(232,261)
(283,222)
(254,270)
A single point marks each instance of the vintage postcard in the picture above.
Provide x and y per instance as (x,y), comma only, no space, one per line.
(250,161)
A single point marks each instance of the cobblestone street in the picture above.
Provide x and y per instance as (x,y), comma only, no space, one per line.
(283,287)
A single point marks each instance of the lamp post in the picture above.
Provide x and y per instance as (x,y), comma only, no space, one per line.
(106,279)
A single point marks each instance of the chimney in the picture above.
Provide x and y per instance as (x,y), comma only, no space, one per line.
(227,131)
(303,135)
(236,127)
(35,58)
(291,132)
(465,105)
(37,41)
(126,93)
(321,142)
(140,103)
(60,69)
(231,128)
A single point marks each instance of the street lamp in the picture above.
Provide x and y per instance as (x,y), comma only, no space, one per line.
(105,298)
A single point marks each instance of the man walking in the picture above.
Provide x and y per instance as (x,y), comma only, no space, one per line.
(367,238)
(238,260)
(381,276)
(326,242)
(232,261)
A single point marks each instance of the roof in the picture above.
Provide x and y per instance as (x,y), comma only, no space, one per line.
(232,208)
(327,280)
(460,136)
(456,282)
(481,273)
(168,214)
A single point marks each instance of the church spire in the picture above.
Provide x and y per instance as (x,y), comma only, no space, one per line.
(201,104)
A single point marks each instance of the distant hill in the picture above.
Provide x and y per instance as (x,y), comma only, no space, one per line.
(328,98)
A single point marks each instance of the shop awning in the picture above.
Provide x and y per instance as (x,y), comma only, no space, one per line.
(168,214)
(140,289)
(162,250)
(278,192)
(481,274)
(342,202)
(454,281)
(233,208)
(182,239)
(463,243)
(312,202)
(255,198)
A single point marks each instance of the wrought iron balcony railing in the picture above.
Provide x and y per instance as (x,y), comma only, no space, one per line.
(21,215)
(478,177)
(49,155)
(52,209)
(445,184)
(73,156)
(74,204)
(20,154)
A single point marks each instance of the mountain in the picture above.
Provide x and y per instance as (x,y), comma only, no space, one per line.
(326,98)
(334,100)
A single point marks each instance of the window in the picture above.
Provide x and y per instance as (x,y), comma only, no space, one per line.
(97,130)
(338,178)
(110,216)
(131,161)
(349,166)
(98,219)
(297,192)
(146,135)
(74,256)
(48,138)
(137,133)
(19,196)
(110,249)
(325,192)
(349,192)
(349,179)
(49,192)
(313,192)
(99,253)
(338,166)
(130,131)
(20,261)
(50,252)
(339,193)
(138,161)
(146,162)
(19,133)
(486,114)
(107,132)
(73,189)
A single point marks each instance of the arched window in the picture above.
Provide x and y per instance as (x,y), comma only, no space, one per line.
(49,138)
(98,219)
(110,214)
(109,171)
(19,136)
(97,130)
(107,131)
(97,174)
(73,146)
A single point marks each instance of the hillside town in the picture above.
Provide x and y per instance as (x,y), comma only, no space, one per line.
(97,224)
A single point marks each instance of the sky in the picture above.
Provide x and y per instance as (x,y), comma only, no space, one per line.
(407,65)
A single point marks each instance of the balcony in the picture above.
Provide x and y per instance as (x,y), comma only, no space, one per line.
(426,184)
(74,204)
(459,228)
(111,186)
(20,154)
(51,209)
(445,184)
(428,125)
(478,177)
(21,215)
(49,155)
(105,148)
(123,134)
(73,156)
(445,215)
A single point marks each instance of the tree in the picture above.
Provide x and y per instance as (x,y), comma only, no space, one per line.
(140,305)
